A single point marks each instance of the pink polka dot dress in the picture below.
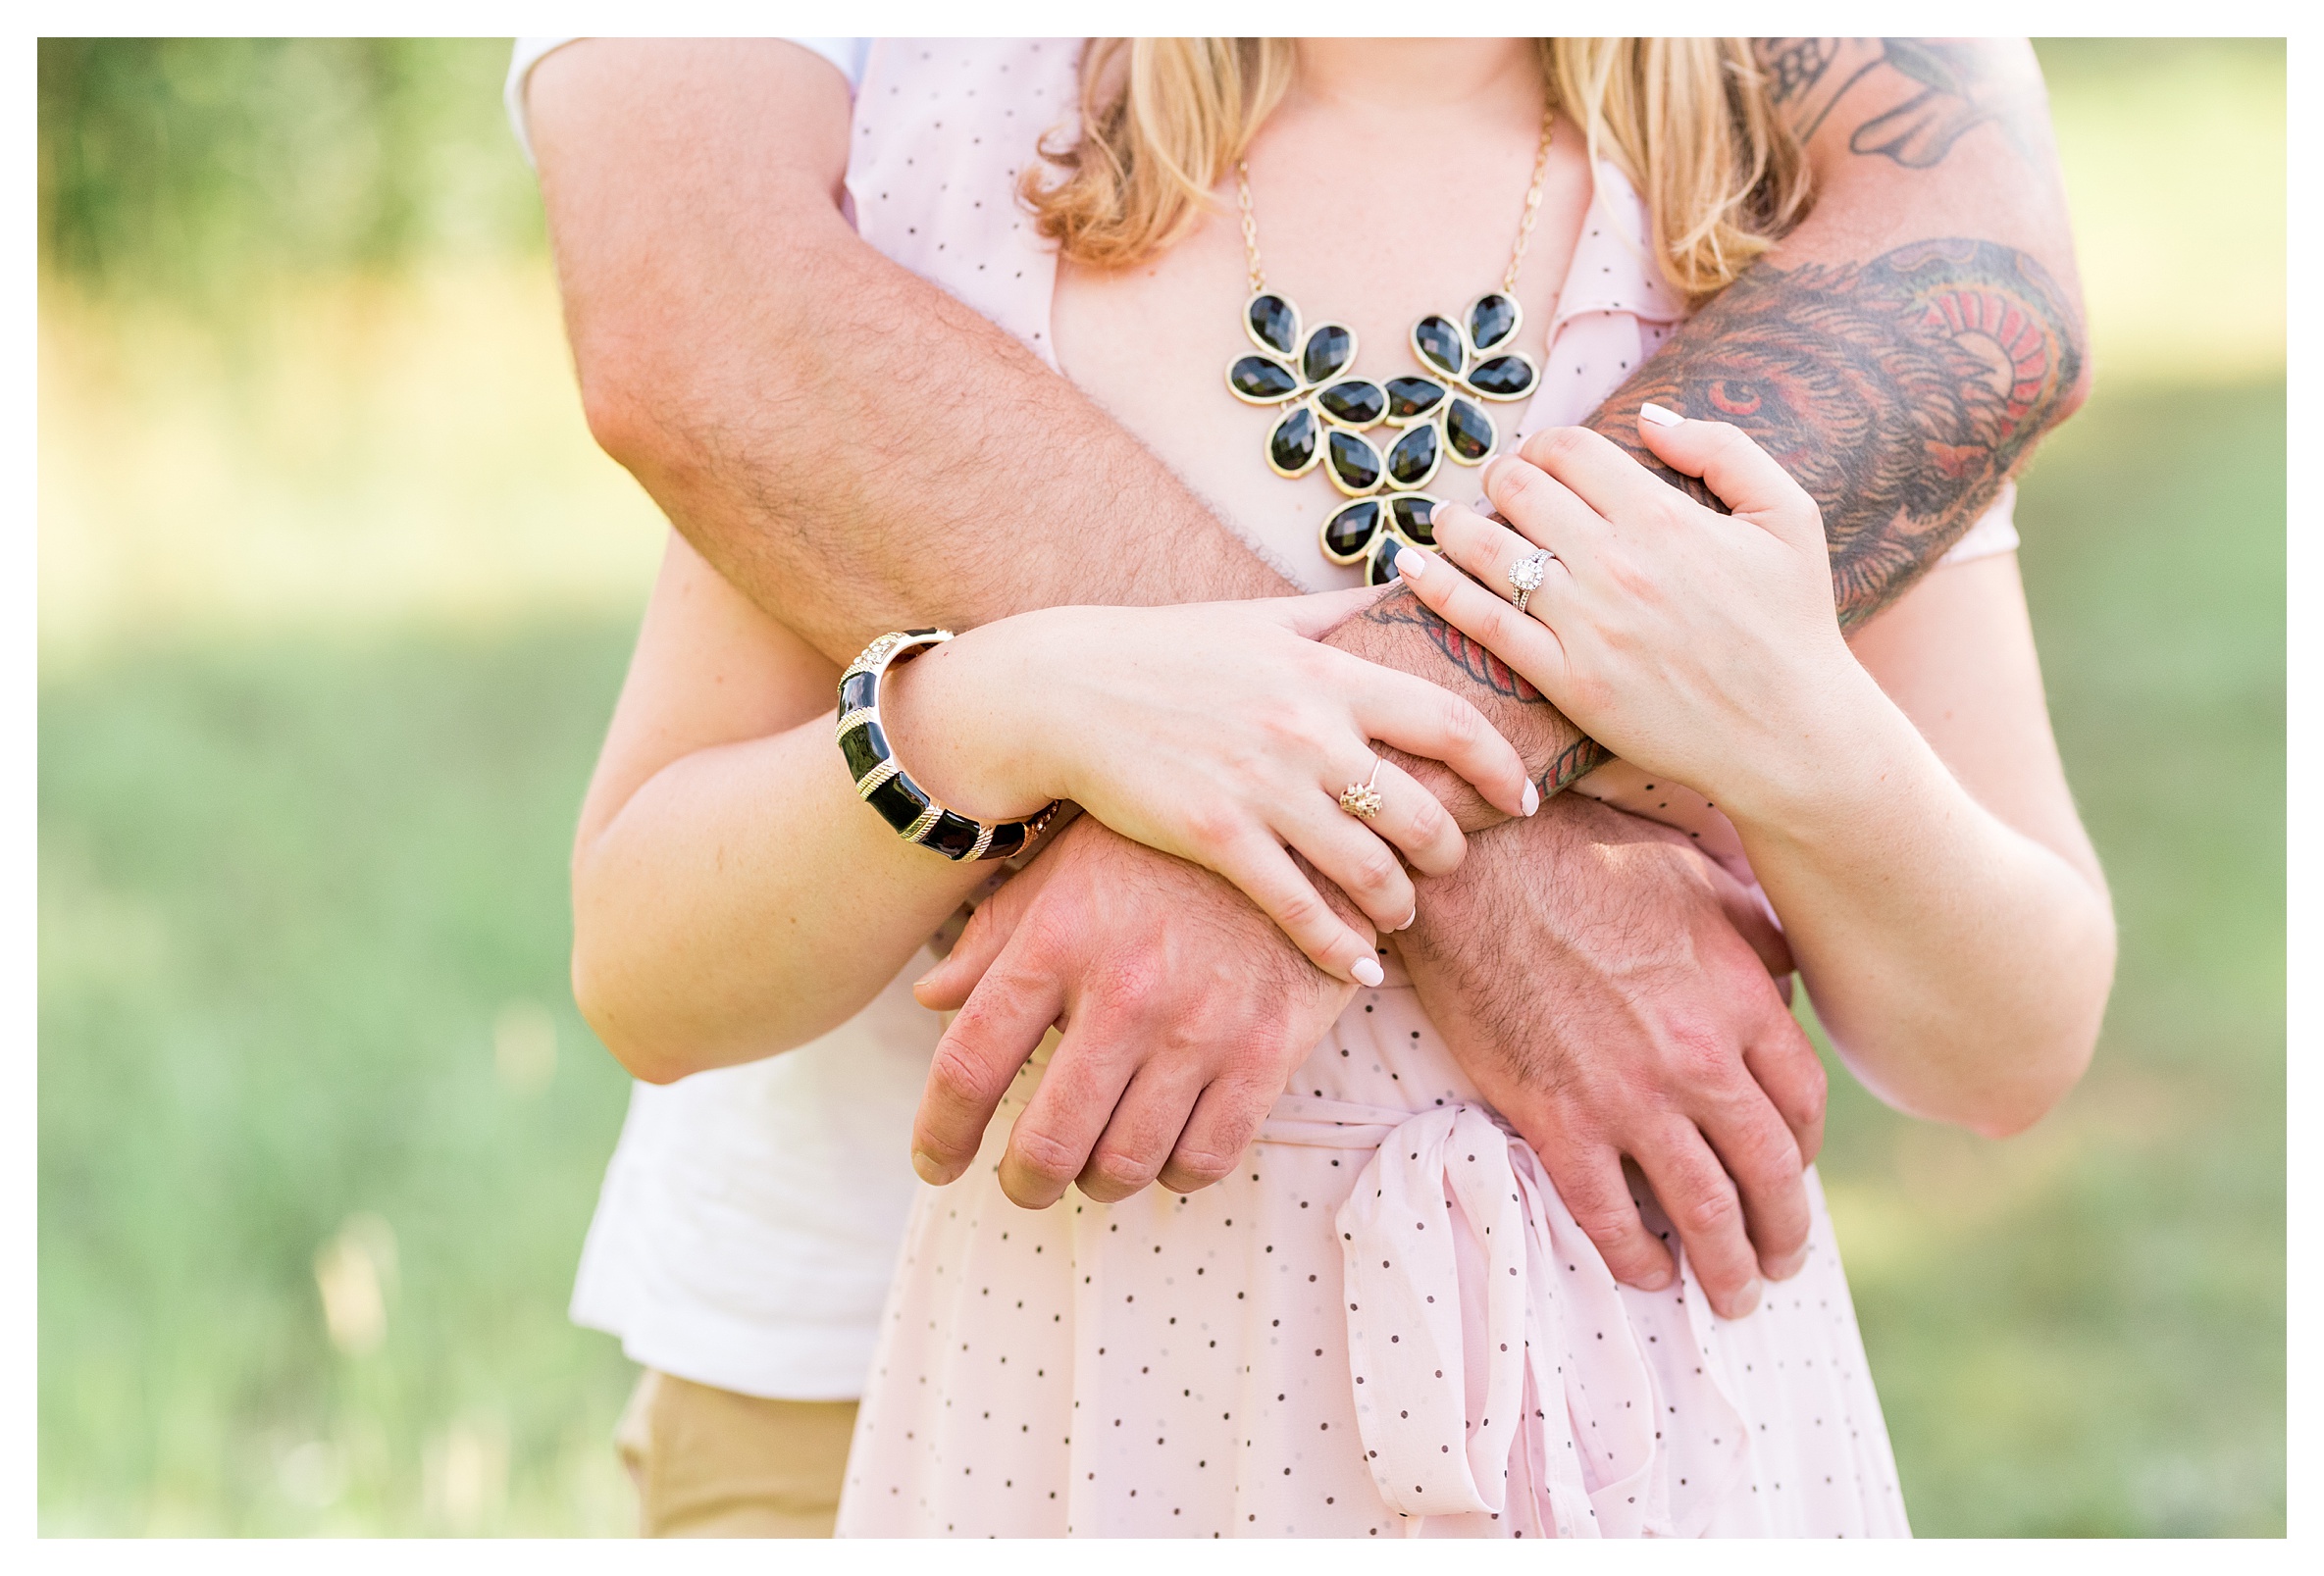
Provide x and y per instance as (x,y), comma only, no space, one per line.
(1385,1323)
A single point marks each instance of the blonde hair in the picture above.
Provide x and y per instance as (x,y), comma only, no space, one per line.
(1689,121)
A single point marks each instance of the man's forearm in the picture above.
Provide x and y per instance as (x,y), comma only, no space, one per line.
(1900,353)
(850,447)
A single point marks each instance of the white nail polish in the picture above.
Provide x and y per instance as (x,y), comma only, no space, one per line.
(1532,799)
(1660,417)
(1367,972)
(1411,563)
(1410,918)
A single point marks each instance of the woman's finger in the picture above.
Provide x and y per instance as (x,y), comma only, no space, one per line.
(1542,508)
(1530,645)
(1611,482)
(1738,472)
(1346,852)
(1427,720)
(1488,552)
(1268,878)
(1315,616)
(1410,817)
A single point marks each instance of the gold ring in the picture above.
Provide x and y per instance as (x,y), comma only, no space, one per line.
(1361,799)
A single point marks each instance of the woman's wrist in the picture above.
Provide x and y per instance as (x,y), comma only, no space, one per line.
(1842,746)
(958,719)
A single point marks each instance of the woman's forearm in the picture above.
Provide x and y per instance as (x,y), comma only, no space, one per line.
(744,901)
(1960,966)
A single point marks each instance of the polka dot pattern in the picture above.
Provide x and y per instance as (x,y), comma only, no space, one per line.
(1314,1347)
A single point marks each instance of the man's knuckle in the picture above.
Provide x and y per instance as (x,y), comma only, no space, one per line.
(958,1071)
(1701,1052)
(1707,1208)
(1046,1157)
(1603,1219)
(1121,1174)
(1202,1164)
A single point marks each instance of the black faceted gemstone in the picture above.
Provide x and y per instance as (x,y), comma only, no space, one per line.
(1412,460)
(1354,462)
(1379,565)
(1409,398)
(1263,379)
(857,692)
(1354,402)
(1503,377)
(1329,350)
(864,747)
(1413,517)
(1275,323)
(898,802)
(1006,840)
(1291,446)
(952,835)
(1469,430)
(1492,319)
(1439,343)
(1347,534)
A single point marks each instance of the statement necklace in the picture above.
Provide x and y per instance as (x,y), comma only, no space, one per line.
(1326,410)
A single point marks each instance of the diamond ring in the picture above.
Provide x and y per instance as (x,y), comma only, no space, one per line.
(1525,576)
(1361,799)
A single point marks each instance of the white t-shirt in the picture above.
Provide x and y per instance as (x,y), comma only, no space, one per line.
(750,1219)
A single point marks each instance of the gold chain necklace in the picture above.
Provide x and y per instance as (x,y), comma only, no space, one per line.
(1326,411)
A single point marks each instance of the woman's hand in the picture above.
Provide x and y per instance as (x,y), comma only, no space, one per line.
(1222,733)
(1697,645)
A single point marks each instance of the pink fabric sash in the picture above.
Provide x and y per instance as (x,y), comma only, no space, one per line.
(1498,1371)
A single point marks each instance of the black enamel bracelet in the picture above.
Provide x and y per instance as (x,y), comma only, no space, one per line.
(885,786)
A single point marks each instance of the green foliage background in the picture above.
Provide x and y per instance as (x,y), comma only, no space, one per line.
(335,600)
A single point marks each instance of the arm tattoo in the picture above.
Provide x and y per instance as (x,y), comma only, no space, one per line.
(1950,88)
(1575,760)
(1482,667)
(1900,392)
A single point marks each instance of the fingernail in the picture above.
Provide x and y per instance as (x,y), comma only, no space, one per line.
(1660,417)
(1367,970)
(1409,917)
(1784,1268)
(1746,1300)
(931,1172)
(1533,800)
(1411,563)
(1654,1280)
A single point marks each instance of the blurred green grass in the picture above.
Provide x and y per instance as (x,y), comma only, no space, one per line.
(335,598)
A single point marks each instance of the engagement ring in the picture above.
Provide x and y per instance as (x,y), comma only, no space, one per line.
(1525,576)
(1361,799)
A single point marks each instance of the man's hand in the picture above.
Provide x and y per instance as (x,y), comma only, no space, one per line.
(1612,991)
(1184,1012)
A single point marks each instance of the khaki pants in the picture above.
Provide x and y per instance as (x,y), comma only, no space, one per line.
(709,1464)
